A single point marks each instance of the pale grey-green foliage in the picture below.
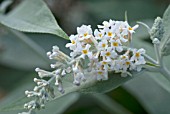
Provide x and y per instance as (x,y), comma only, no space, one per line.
(30,21)
(33,16)
(21,52)
(27,51)
(4,5)
(157,29)
(89,86)
(149,93)
(151,89)
(165,42)
(162,81)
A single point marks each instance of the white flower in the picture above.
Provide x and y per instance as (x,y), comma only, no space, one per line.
(116,45)
(106,24)
(72,45)
(137,56)
(109,53)
(132,29)
(78,74)
(123,37)
(102,45)
(84,32)
(99,35)
(109,33)
(77,50)
(102,74)
(85,51)
(129,29)
(105,64)
(116,27)
(116,65)
(126,64)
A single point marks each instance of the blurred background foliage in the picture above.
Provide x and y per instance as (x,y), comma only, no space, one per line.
(18,60)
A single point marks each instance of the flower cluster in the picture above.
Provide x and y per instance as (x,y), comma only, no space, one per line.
(107,49)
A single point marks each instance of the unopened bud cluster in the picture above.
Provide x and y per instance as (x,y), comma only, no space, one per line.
(43,91)
(107,49)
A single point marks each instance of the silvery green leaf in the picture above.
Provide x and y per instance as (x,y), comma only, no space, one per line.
(4,5)
(91,85)
(28,50)
(33,16)
(165,42)
(151,89)
(149,93)
(19,51)
(13,103)
(109,104)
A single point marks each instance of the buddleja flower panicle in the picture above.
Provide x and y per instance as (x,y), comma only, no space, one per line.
(105,51)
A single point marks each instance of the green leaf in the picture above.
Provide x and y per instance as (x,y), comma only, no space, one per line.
(33,16)
(8,84)
(4,5)
(138,43)
(151,89)
(110,105)
(46,41)
(58,106)
(91,85)
(28,50)
(150,94)
(165,42)
(13,103)
(21,52)
(160,79)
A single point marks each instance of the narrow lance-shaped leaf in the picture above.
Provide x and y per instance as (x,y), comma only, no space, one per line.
(33,16)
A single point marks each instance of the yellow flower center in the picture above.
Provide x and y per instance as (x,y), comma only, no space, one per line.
(108,54)
(73,42)
(104,63)
(115,44)
(103,45)
(123,57)
(130,28)
(85,51)
(100,35)
(85,34)
(137,54)
(127,63)
(100,72)
(110,34)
